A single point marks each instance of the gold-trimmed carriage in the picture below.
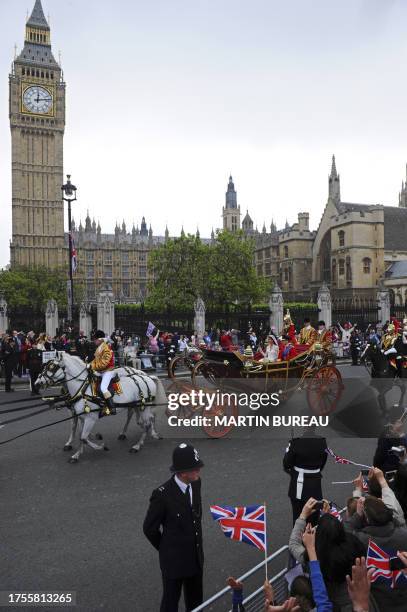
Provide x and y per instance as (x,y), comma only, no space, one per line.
(312,370)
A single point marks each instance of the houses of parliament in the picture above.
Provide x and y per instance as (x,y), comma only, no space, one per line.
(355,247)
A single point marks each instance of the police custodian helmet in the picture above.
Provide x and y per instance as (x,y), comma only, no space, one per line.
(185,458)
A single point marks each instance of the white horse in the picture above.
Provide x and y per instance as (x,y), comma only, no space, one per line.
(139,393)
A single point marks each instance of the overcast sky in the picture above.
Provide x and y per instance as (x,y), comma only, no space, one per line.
(166,98)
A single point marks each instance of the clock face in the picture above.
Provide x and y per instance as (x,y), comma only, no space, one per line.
(37,99)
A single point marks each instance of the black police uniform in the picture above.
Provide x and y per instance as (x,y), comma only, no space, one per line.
(304,460)
(174,528)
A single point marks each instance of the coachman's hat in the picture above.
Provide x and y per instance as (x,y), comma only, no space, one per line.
(99,334)
(185,458)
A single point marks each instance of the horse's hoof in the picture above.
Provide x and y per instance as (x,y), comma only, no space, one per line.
(121,437)
(73,460)
(133,450)
(68,447)
(98,436)
(106,448)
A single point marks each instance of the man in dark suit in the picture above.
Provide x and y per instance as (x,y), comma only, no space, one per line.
(173,526)
(304,460)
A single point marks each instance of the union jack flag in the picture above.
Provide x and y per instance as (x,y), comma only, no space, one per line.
(244,524)
(74,255)
(335,513)
(337,458)
(379,560)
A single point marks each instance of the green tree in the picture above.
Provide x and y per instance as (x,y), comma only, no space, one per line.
(23,286)
(233,277)
(221,272)
(179,268)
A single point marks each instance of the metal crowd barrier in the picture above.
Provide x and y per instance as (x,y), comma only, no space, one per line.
(221,601)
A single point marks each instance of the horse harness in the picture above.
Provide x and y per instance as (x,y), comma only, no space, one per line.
(70,401)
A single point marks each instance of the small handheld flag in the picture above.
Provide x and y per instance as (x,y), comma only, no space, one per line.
(244,524)
(150,329)
(379,560)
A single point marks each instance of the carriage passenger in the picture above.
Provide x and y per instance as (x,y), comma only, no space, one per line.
(271,350)
(287,349)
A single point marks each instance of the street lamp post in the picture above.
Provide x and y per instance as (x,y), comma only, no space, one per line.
(69,195)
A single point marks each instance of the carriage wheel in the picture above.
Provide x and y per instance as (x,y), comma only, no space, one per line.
(324,390)
(200,375)
(214,429)
(176,367)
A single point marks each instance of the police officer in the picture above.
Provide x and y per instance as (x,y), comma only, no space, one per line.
(173,526)
(304,460)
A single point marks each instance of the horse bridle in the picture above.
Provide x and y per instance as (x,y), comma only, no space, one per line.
(53,366)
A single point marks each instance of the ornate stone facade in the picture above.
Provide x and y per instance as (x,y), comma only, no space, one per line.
(37,122)
(351,250)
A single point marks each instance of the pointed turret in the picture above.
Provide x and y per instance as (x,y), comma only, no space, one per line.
(198,235)
(143,227)
(231,211)
(37,30)
(182,232)
(37,17)
(334,186)
(264,231)
(88,223)
(73,224)
(94,225)
(80,226)
(212,235)
(287,226)
(150,231)
(403,193)
(99,229)
(273,227)
(133,233)
(247,223)
(124,230)
(166,233)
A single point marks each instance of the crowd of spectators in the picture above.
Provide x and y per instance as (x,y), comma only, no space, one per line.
(353,560)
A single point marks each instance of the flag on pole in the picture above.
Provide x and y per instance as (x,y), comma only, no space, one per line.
(244,524)
(343,461)
(379,560)
(74,258)
(337,458)
(150,329)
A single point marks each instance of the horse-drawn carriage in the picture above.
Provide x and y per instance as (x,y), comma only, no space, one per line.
(312,371)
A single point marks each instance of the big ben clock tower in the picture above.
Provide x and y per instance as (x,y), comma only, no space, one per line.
(37,122)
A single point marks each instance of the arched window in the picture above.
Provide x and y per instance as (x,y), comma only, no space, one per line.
(286,275)
(366,265)
(341,238)
(341,267)
(285,251)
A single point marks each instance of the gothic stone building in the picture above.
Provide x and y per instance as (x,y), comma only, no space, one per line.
(354,246)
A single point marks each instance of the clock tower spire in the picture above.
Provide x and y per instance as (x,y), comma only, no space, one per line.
(37,123)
